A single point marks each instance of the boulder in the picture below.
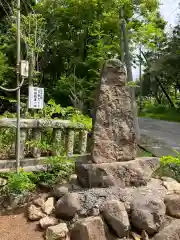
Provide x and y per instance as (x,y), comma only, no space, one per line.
(58,232)
(147,213)
(115,215)
(39,202)
(91,228)
(170,232)
(48,221)
(144,236)
(67,206)
(124,174)
(48,205)
(73,179)
(3,182)
(60,191)
(171,185)
(35,213)
(172,203)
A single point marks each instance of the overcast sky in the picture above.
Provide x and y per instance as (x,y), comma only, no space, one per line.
(169,10)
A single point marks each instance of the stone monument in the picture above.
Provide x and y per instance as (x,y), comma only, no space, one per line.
(113,157)
(107,206)
(113,131)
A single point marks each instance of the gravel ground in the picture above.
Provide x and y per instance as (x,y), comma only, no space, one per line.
(96,197)
(16,227)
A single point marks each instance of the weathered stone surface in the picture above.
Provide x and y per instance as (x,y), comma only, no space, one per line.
(144,236)
(170,232)
(60,191)
(172,203)
(147,213)
(40,123)
(171,185)
(48,221)
(3,182)
(91,228)
(135,235)
(113,127)
(73,179)
(35,213)
(58,232)
(131,173)
(48,205)
(111,235)
(67,206)
(39,202)
(115,215)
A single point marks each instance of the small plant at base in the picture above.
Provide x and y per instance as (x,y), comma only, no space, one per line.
(19,183)
(60,167)
(170,167)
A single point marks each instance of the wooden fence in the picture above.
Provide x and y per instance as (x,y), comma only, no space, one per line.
(63,133)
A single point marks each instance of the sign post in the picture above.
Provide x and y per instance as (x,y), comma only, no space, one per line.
(36,98)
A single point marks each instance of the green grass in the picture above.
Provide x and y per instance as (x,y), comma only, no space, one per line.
(160,112)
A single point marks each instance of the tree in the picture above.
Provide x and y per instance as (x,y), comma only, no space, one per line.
(76,37)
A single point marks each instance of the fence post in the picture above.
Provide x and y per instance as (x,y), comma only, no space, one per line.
(57,141)
(70,142)
(83,141)
(36,134)
(22,142)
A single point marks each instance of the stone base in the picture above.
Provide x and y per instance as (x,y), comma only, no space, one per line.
(123,174)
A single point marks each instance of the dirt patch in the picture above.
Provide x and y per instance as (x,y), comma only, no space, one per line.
(14,227)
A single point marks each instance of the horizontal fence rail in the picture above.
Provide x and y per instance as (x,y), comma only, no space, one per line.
(41,138)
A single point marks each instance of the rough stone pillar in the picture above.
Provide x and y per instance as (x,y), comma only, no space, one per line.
(113,127)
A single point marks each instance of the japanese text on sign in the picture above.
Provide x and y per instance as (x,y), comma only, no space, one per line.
(36,97)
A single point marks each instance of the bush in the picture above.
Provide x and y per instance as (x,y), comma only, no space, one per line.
(18,183)
(58,170)
(162,112)
(170,167)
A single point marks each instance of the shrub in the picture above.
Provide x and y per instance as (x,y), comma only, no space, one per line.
(170,167)
(18,183)
(58,170)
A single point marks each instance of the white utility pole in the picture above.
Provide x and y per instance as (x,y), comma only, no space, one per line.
(18,90)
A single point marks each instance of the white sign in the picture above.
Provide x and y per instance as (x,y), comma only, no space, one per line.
(36,98)
(24,68)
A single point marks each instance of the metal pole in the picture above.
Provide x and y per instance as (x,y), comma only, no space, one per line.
(129,74)
(140,77)
(18,91)
(121,35)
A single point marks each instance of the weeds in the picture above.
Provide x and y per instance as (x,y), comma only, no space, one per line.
(170,167)
(58,170)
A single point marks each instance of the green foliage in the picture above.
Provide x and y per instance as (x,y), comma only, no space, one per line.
(58,170)
(7,138)
(170,167)
(3,66)
(18,183)
(67,63)
(50,111)
(162,112)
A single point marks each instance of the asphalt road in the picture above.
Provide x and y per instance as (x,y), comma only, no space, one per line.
(161,137)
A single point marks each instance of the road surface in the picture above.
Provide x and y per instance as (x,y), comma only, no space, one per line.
(160,137)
